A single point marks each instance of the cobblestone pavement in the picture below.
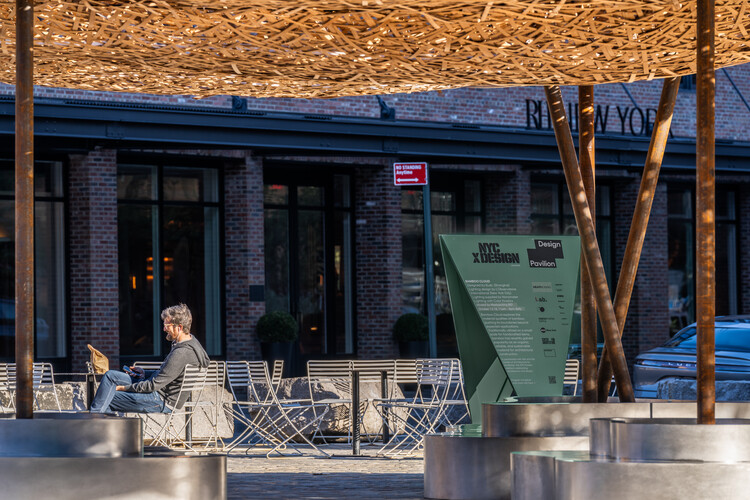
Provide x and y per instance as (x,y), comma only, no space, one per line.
(340,477)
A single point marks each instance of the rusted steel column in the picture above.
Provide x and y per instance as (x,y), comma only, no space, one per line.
(639,223)
(24,208)
(587,232)
(705,244)
(588,300)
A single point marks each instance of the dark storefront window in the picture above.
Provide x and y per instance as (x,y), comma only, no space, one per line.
(308,259)
(457,207)
(50,263)
(168,252)
(552,213)
(681,258)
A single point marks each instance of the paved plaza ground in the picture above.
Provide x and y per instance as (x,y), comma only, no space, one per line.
(340,477)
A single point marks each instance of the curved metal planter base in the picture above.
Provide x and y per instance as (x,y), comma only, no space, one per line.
(468,467)
(70,456)
(141,478)
(575,475)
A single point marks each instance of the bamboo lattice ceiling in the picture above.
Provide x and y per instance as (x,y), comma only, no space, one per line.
(330,48)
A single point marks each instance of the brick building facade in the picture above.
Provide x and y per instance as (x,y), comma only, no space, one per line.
(351,287)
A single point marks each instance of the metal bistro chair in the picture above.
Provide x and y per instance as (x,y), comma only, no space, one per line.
(173,433)
(268,419)
(43,381)
(456,398)
(422,414)
(572,367)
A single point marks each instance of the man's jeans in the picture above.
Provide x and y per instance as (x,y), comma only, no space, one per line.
(109,399)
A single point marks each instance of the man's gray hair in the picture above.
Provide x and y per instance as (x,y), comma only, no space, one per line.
(178,315)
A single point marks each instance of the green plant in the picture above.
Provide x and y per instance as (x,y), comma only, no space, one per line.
(410,327)
(277,326)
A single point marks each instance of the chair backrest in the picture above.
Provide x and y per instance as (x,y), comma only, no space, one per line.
(406,371)
(216,375)
(329,370)
(435,372)
(194,378)
(371,370)
(42,375)
(571,374)
(252,376)
(277,373)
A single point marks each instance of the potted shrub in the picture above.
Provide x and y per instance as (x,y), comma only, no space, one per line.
(411,332)
(277,332)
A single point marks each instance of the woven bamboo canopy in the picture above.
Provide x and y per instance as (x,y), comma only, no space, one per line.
(330,48)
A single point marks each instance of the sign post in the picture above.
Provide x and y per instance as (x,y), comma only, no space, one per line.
(415,174)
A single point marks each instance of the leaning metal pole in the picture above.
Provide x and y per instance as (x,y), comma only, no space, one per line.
(586,151)
(639,223)
(587,232)
(705,282)
(24,208)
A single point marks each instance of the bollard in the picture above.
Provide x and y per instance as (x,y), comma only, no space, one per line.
(355,413)
(90,379)
(384,397)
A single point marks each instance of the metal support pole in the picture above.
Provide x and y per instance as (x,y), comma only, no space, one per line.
(639,224)
(429,282)
(586,152)
(705,284)
(355,413)
(189,423)
(24,208)
(592,256)
(384,397)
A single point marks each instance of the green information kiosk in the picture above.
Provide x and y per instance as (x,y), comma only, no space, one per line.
(512,299)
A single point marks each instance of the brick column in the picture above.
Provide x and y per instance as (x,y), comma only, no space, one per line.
(94,298)
(378,265)
(508,202)
(244,256)
(647,324)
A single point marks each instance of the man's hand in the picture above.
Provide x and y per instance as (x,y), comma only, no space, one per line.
(120,388)
(139,373)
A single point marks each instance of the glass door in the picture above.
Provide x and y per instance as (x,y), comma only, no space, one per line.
(308,259)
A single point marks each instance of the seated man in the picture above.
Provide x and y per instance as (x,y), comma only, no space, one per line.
(156,393)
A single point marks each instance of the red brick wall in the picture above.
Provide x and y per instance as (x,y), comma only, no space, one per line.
(378,261)
(94,302)
(508,202)
(244,264)
(647,323)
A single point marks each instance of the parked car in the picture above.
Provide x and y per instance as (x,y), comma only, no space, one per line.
(677,357)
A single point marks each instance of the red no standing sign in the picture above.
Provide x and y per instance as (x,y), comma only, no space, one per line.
(410,174)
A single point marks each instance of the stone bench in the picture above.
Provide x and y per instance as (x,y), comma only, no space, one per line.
(687,389)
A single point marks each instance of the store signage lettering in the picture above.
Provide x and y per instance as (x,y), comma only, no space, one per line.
(632,120)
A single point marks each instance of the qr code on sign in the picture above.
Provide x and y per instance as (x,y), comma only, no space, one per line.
(552,379)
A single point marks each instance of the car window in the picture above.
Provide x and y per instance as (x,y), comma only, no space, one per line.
(686,335)
(727,339)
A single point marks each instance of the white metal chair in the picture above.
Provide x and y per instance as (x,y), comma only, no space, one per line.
(570,377)
(173,432)
(423,413)
(456,398)
(269,420)
(43,381)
